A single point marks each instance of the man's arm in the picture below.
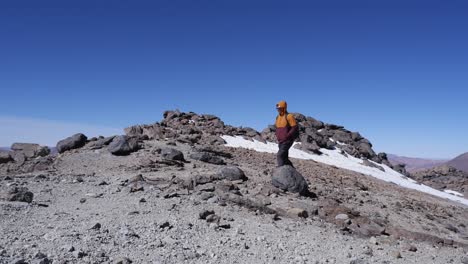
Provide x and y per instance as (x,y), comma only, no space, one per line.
(293,125)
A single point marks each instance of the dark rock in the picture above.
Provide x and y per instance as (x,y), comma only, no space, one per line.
(79,254)
(19,261)
(73,142)
(123,260)
(123,145)
(289,179)
(172,154)
(18,194)
(372,165)
(136,189)
(231,173)
(101,142)
(204,214)
(5,157)
(208,158)
(96,226)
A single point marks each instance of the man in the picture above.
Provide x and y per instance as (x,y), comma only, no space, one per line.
(286,132)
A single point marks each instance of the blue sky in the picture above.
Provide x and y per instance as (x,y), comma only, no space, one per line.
(396,71)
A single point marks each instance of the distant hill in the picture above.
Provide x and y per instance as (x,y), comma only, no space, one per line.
(4,148)
(415,164)
(460,162)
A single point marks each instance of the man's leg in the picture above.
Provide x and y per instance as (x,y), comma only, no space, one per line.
(287,161)
(283,153)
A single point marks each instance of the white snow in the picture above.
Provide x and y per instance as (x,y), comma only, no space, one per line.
(453,193)
(334,157)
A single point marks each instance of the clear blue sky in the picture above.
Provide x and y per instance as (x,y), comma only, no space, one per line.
(396,71)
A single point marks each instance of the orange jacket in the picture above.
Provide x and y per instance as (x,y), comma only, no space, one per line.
(286,126)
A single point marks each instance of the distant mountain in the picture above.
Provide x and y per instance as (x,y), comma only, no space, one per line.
(415,164)
(460,162)
(4,148)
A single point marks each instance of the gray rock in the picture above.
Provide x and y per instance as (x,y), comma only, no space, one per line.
(342,217)
(18,194)
(123,145)
(464,260)
(231,173)
(5,157)
(289,179)
(172,154)
(204,214)
(122,260)
(207,157)
(18,157)
(19,261)
(73,142)
(31,150)
(101,142)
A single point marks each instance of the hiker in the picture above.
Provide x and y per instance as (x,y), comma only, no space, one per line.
(286,132)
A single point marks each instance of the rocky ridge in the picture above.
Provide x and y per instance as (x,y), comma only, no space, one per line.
(178,195)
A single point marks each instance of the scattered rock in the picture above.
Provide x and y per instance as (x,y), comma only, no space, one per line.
(212,218)
(73,142)
(297,212)
(83,200)
(97,226)
(79,254)
(204,214)
(123,260)
(137,189)
(342,217)
(208,158)
(231,173)
(287,178)
(18,194)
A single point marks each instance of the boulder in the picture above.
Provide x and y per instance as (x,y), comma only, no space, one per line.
(287,178)
(5,157)
(30,150)
(172,154)
(123,145)
(231,173)
(73,142)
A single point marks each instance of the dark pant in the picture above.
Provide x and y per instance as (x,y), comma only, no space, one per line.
(283,153)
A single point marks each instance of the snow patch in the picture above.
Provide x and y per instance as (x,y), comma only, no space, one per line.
(454,193)
(335,158)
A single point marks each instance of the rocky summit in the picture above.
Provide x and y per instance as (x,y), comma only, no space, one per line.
(173,192)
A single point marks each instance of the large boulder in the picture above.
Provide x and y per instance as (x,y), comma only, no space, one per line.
(172,154)
(31,150)
(73,142)
(287,178)
(5,157)
(123,145)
